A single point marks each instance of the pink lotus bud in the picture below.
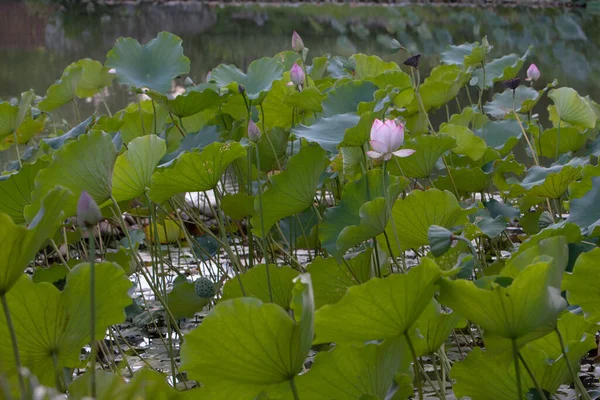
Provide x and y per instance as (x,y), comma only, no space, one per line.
(297,75)
(386,139)
(297,43)
(254,133)
(533,73)
(88,212)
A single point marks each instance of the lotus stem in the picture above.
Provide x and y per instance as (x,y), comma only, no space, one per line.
(294,389)
(515,352)
(262,222)
(535,382)
(576,381)
(558,138)
(13,339)
(94,350)
(393,223)
(416,367)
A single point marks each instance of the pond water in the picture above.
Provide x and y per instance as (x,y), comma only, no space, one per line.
(37,41)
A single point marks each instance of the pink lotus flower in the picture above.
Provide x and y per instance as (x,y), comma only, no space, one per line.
(533,73)
(386,139)
(297,43)
(297,75)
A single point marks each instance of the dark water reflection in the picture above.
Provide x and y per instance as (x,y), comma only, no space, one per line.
(37,42)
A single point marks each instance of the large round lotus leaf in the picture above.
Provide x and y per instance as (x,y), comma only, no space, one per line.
(331,280)
(195,171)
(441,86)
(414,214)
(361,214)
(572,108)
(83,78)
(580,289)
(260,347)
(345,98)
(503,103)
(8,118)
(328,131)
(467,143)
(85,164)
(380,308)
(428,150)
(146,384)
(585,211)
(371,66)
(153,65)
(523,311)
(16,190)
(551,182)
(291,191)
(259,78)
(255,284)
(467,180)
(20,244)
(78,130)
(433,328)
(570,139)
(51,326)
(285,105)
(487,376)
(580,188)
(500,69)
(355,371)
(133,169)
(188,104)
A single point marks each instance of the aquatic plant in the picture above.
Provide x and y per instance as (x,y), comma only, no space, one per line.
(330,216)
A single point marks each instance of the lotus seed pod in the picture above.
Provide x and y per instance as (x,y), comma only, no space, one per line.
(204,288)
(413,61)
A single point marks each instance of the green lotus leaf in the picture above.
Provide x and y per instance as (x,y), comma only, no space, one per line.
(145,384)
(195,171)
(85,164)
(284,105)
(487,376)
(182,299)
(188,104)
(63,91)
(585,211)
(503,103)
(291,191)
(572,108)
(508,165)
(331,280)
(501,135)
(551,182)
(358,216)
(525,310)
(391,78)
(192,141)
(433,328)
(380,308)
(467,180)
(78,130)
(580,188)
(578,285)
(153,65)
(469,117)
(355,371)
(20,244)
(300,230)
(428,150)
(238,205)
(137,123)
(441,86)
(53,326)
(260,346)
(272,149)
(466,54)
(329,131)
(567,229)
(352,159)
(258,80)
(255,284)
(467,143)
(8,118)
(132,175)
(570,139)
(500,69)
(16,190)
(370,66)
(345,97)
(414,214)
(80,79)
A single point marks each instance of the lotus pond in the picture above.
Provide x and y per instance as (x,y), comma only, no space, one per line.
(301,229)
